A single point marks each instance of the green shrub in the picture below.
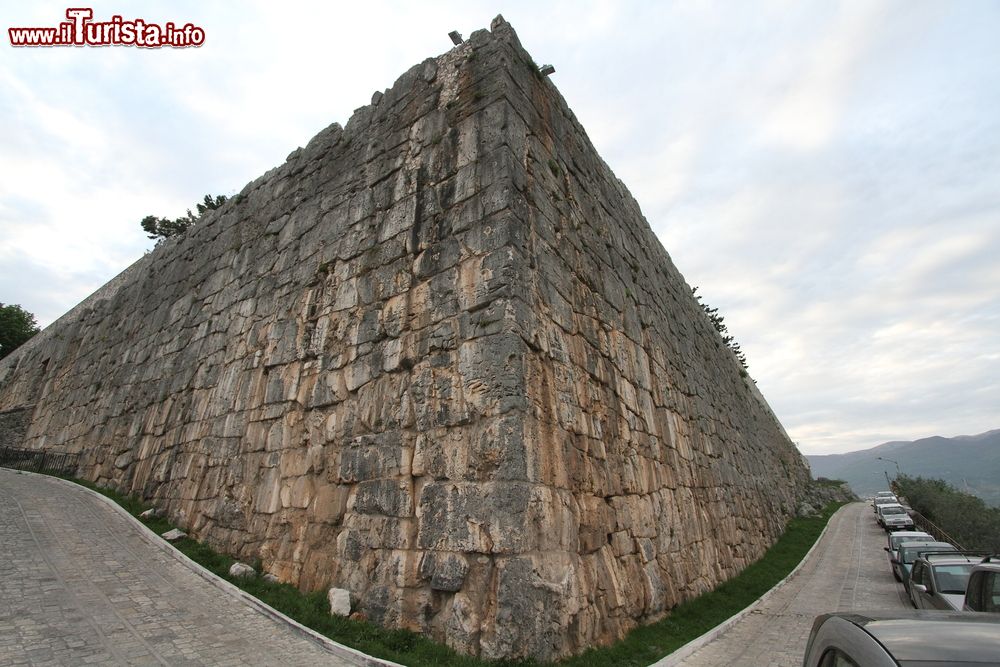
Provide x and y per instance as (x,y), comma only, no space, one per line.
(964,517)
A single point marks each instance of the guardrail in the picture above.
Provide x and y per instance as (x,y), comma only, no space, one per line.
(929,526)
(37,460)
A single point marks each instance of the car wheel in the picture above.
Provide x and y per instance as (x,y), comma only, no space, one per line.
(897,577)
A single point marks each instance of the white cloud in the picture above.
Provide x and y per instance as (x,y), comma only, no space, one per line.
(808,112)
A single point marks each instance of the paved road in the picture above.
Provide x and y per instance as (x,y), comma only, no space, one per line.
(79,585)
(847,571)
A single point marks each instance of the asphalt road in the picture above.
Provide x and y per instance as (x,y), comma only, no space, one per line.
(847,571)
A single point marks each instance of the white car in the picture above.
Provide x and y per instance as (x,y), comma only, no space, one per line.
(894,517)
(899,537)
(884,500)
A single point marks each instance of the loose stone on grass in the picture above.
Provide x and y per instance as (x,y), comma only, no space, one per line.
(241,570)
(340,602)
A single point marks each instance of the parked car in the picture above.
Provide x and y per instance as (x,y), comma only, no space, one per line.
(983,591)
(903,639)
(883,500)
(909,552)
(898,537)
(894,517)
(938,579)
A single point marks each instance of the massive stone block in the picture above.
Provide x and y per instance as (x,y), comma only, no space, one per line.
(438,359)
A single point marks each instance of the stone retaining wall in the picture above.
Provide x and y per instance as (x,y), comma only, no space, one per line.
(437,358)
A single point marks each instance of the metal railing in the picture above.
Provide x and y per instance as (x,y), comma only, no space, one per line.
(929,526)
(37,460)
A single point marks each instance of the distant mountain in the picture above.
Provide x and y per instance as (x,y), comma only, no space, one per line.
(970,463)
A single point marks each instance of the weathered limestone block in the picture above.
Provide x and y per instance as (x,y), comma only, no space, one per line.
(436,361)
(446,571)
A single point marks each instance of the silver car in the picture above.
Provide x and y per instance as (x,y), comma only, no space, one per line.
(938,580)
(983,592)
(909,552)
(895,639)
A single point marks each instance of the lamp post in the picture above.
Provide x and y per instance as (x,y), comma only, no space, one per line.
(891,461)
(880,458)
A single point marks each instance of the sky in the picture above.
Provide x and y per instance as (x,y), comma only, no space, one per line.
(827,173)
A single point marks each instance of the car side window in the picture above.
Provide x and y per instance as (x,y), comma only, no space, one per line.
(836,658)
(992,589)
(974,593)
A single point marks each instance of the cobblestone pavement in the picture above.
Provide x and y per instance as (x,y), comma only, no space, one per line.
(847,571)
(81,585)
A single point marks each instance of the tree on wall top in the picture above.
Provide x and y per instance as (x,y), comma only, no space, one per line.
(718,321)
(161,228)
(16,326)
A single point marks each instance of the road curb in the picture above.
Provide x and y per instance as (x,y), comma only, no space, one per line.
(327,644)
(674,659)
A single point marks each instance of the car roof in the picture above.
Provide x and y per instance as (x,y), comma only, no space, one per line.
(910,533)
(988,566)
(911,546)
(887,505)
(948,637)
(939,558)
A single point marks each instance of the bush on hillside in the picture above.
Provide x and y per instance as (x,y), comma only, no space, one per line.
(970,521)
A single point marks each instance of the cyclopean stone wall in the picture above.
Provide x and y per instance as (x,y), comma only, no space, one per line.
(437,358)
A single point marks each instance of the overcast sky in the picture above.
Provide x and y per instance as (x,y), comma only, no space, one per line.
(828,173)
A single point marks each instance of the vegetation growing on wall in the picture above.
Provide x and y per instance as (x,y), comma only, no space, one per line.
(161,228)
(718,321)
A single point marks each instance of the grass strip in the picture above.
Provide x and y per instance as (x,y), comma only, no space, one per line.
(642,646)
(689,620)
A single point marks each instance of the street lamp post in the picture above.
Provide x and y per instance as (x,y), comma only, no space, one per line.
(880,458)
(891,461)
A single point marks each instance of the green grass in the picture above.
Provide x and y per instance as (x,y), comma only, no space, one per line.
(641,647)
(691,619)
(823,481)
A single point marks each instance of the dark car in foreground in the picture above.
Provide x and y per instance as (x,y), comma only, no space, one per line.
(904,639)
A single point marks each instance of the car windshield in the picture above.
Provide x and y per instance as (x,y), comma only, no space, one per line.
(892,510)
(952,579)
(909,552)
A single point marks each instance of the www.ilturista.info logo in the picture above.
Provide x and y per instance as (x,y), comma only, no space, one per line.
(81,30)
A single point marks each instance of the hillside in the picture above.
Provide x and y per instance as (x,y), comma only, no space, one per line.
(971,463)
